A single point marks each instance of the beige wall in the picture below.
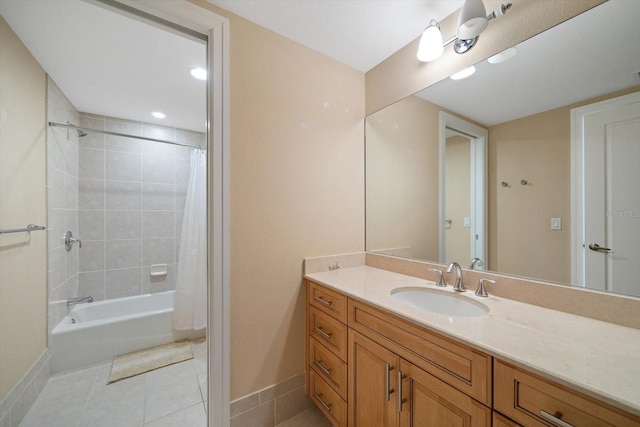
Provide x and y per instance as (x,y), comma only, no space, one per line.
(297,190)
(402,178)
(402,74)
(23,257)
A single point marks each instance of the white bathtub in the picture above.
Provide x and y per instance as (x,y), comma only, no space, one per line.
(98,331)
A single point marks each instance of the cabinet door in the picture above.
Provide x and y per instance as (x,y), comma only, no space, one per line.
(429,402)
(372,371)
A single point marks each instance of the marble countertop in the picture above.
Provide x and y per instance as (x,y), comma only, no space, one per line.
(596,358)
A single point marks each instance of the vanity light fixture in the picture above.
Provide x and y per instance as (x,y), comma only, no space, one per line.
(471,22)
(158,115)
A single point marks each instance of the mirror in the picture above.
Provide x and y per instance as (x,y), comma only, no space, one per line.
(525,104)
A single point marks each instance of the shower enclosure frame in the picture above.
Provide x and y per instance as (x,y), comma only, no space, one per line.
(184,14)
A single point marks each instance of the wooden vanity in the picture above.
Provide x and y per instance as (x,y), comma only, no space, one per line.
(368,367)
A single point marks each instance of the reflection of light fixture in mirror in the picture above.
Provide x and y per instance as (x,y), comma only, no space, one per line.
(471,22)
(199,73)
(463,74)
(431,47)
(503,56)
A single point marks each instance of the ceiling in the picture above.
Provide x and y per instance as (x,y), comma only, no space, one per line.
(359,33)
(109,64)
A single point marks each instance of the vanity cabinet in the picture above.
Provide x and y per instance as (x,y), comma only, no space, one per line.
(326,343)
(534,401)
(367,367)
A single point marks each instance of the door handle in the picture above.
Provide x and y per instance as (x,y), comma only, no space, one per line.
(597,248)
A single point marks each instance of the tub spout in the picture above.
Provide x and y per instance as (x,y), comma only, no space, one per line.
(79,300)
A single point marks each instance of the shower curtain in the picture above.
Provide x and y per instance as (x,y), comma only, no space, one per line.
(190,308)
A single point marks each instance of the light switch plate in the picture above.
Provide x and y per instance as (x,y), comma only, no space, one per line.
(467,223)
(556,223)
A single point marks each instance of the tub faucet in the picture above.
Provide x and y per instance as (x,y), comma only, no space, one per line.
(79,300)
(459,285)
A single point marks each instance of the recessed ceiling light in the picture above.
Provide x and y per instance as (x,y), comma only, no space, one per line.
(503,56)
(199,73)
(463,74)
(158,115)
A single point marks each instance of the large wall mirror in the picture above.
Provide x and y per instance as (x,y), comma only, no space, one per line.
(540,204)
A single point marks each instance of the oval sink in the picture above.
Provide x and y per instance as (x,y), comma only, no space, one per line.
(439,302)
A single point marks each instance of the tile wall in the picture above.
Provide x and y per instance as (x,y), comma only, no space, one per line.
(131,199)
(62,189)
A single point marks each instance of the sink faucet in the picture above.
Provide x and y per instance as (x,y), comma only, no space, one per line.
(459,285)
(476,261)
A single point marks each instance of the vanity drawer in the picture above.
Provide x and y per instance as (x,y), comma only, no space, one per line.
(327,400)
(331,302)
(329,367)
(459,366)
(502,421)
(328,331)
(531,400)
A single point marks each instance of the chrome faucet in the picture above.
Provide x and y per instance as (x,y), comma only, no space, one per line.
(79,300)
(476,261)
(459,285)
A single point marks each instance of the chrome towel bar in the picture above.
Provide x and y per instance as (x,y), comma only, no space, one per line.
(29,228)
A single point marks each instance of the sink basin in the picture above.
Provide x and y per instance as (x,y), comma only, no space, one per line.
(439,302)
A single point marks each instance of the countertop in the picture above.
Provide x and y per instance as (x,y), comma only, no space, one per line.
(596,358)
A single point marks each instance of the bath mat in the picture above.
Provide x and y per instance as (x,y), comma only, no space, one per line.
(142,361)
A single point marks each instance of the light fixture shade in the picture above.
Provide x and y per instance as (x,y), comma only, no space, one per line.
(430,47)
(472,20)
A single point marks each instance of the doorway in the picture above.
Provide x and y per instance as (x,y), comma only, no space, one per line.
(462,192)
(606,160)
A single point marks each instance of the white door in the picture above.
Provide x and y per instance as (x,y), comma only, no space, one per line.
(610,244)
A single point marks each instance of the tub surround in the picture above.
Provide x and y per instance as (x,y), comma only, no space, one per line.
(594,357)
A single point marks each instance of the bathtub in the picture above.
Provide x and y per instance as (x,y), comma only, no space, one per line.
(98,331)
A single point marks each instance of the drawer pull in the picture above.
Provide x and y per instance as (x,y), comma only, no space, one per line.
(326,405)
(319,330)
(555,418)
(324,369)
(323,301)
(387,388)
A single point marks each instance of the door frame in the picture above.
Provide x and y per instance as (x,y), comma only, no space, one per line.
(216,28)
(578,116)
(479,152)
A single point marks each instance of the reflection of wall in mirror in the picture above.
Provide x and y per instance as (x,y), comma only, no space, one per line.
(457,198)
(402,178)
(536,148)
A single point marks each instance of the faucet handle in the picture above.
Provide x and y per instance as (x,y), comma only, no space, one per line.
(481,292)
(440,282)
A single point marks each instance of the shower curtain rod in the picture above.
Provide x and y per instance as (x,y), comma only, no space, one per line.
(106,132)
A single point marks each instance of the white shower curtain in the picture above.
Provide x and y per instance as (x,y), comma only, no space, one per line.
(190,308)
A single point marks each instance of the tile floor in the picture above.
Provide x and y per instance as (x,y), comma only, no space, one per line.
(173,396)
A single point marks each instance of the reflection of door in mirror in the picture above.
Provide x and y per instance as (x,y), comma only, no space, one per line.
(462,191)
(606,144)
(457,241)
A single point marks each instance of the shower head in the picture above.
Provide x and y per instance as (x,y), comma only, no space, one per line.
(81,133)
